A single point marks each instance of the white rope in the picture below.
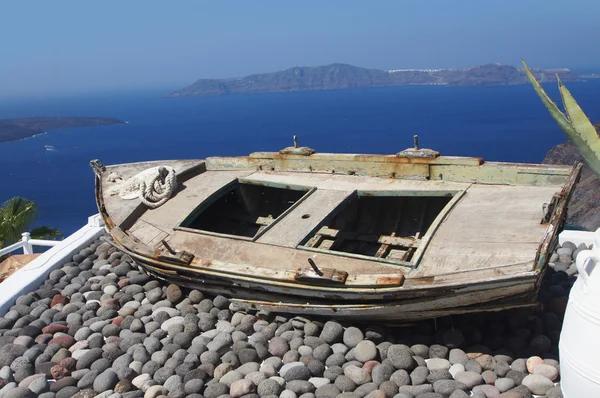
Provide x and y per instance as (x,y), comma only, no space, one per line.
(158,187)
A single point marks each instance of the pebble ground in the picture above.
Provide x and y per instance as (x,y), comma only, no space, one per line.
(100,327)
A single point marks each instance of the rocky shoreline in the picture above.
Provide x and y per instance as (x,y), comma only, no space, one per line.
(100,327)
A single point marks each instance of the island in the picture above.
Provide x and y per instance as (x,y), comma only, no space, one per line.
(343,76)
(17,129)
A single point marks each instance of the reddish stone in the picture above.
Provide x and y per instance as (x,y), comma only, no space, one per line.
(54,328)
(117,321)
(369,365)
(68,363)
(63,340)
(376,394)
(122,283)
(59,299)
(532,361)
(58,372)
(474,355)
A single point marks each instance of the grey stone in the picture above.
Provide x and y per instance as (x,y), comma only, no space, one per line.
(470,379)
(401,378)
(105,381)
(365,351)
(447,387)
(401,357)
(352,336)
(269,387)
(537,384)
(214,390)
(504,384)
(332,332)
(381,373)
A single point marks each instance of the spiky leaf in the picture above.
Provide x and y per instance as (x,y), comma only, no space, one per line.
(576,126)
(556,113)
(587,140)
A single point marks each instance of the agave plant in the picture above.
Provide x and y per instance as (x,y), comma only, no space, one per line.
(574,124)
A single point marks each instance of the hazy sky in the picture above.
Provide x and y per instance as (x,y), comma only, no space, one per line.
(67,46)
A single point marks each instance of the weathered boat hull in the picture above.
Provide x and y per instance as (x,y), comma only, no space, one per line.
(468,260)
(518,290)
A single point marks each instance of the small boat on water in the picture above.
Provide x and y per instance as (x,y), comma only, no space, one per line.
(400,237)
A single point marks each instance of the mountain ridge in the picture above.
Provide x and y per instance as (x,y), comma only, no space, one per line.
(339,76)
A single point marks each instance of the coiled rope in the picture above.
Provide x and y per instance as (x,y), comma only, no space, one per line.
(158,187)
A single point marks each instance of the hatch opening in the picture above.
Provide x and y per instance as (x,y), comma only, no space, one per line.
(380,227)
(244,209)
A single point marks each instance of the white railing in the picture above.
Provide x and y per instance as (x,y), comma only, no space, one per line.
(27,244)
(32,275)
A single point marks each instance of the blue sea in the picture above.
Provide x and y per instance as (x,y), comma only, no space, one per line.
(507,123)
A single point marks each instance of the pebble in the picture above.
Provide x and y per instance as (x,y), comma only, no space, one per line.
(547,371)
(533,361)
(537,383)
(504,384)
(470,379)
(365,351)
(105,325)
(352,336)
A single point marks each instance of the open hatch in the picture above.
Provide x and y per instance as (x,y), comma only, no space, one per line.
(381,226)
(244,210)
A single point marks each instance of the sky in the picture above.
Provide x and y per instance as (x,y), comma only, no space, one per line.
(71,46)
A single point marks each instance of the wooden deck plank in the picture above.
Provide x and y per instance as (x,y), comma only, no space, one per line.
(196,191)
(476,234)
(362,183)
(291,230)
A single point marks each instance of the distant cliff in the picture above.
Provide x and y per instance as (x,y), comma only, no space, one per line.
(17,129)
(342,76)
(584,209)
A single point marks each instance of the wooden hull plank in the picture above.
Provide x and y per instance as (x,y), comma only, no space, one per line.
(238,254)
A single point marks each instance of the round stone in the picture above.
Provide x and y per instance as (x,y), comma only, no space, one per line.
(352,336)
(357,375)
(537,383)
(548,371)
(469,379)
(105,381)
(332,332)
(504,384)
(365,351)
(241,387)
(401,357)
(531,362)
(438,364)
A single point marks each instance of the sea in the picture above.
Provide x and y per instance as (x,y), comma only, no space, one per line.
(505,123)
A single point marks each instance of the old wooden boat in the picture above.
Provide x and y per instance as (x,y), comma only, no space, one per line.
(391,237)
